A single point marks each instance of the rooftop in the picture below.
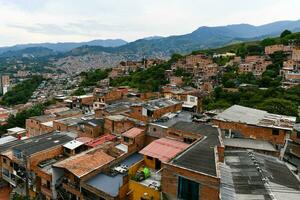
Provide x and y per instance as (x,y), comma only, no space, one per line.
(116,117)
(159,103)
(49,124)
(164,149)
(84,96)
(100,140)
(73,144)
(70,121)
(111,184)
(189,127)
(46,141)
(43,118)
(200,156)
(249,144)
(69,112)
(84,139)
(133,132)
(94,122)
(256,117)
(248,175)
(85,162)
(118,107)
(16,130)
(7,139)
(170,119)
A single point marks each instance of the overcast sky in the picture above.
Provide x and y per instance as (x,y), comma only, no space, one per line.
(31,21)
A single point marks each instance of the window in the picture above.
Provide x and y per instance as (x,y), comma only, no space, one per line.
(5,172)
(126,139)
(4,160)
(67,151)
(149,158)
(154,129)
(275,132)
(188,189)
(298,134)
(48,184)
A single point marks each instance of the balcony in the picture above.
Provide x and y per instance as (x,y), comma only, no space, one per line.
(72,188)
(10,178)
(46,191)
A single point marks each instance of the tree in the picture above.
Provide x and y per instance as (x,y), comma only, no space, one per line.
(79,91)
(175,57)
(21,92)
(268,42)
(279,106)
(285,33)
(92,77)
(20,118)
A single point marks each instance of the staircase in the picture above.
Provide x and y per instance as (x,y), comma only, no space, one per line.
(12,194)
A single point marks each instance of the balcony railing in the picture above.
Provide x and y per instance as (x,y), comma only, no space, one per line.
(72,188)
(46,191)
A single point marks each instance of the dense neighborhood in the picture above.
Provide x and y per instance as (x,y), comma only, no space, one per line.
(201,126)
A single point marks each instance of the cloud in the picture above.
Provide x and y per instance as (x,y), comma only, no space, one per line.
(23,21)
(84,28)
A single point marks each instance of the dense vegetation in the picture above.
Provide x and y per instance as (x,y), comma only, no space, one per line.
(255,47)
(20,118)
(79,91)
(22,92)
(263,93)
(91,78)
(147,80)
(274,100)
(270,78)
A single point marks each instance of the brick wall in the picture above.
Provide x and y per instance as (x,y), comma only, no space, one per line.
(255,132)
(208,188)
(36,158)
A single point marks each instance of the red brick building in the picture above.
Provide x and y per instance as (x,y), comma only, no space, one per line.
(239,121)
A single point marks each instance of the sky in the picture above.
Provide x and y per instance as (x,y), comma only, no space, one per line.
(34,21)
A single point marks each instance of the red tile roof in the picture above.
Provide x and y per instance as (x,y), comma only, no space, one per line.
(86,162)
(101,140)
(133,132)
(84,139)
(164,149)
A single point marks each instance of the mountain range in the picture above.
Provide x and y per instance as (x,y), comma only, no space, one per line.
(161,47)
(66,46)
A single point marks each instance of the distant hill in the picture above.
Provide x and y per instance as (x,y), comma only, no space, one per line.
(202,38)
(29,52)
(106,53)
(153,38)
(66,46)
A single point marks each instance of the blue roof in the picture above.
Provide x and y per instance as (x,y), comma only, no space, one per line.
(111,184)
(108,184)
(131,160)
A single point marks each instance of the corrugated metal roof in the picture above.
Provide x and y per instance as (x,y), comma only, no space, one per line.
(241,114)
(7,139)
(248,175)
(249,144)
